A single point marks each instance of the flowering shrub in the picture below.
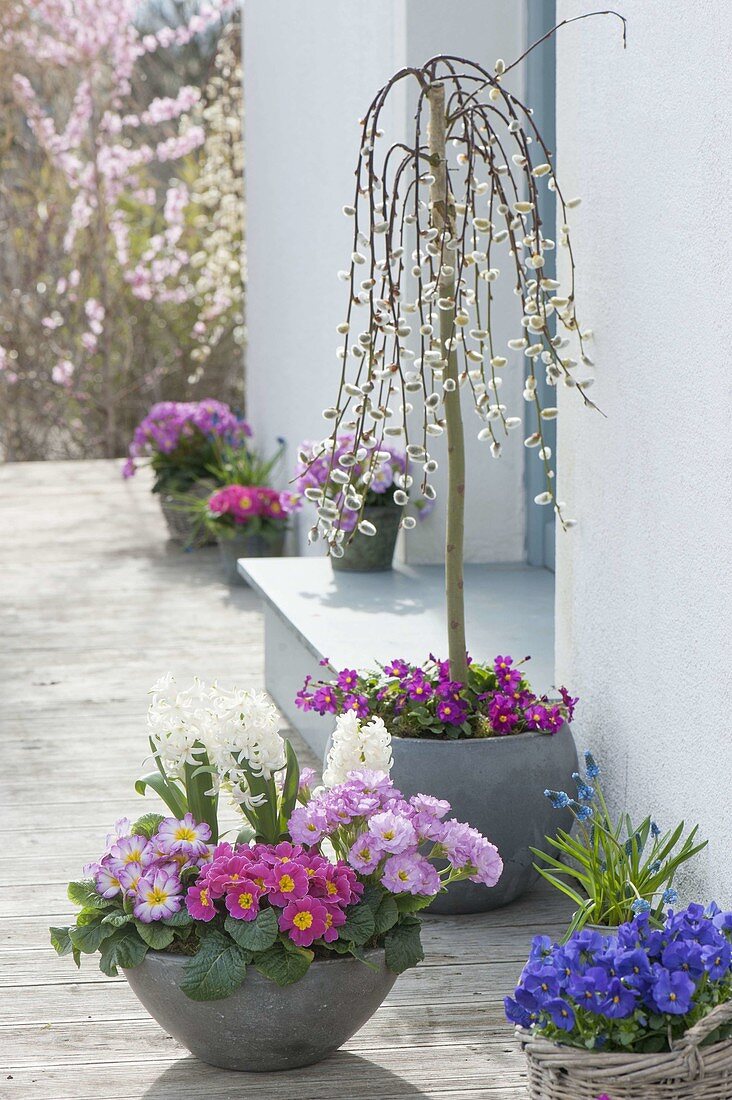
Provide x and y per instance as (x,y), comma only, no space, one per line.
(620,869)
(310,874)
(423,700)
(179,439)
(638,990)
(320,476)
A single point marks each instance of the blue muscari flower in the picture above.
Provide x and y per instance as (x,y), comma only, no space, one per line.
(585,793)
(670,896)
(558,799)
(640,905)
(590,766)
(655,831)
(655,866)
(629,845)
(584,812)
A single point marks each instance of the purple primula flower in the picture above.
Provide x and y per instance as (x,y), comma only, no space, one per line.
(396,668)
(418,687)
(452,712)
(348,679)
(159,895)
(392,832)
(359,704)
(428,804)
(131,849)
(364,854)
(502,713)
(410,873)
(325,701)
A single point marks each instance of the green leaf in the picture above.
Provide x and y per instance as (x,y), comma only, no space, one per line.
(245,834)
(360,925)
(117,919)
(284,963)
(290,785)
(412,903)
(89,936)
(217,970)
(254,935)
(386,915)
(155,935)
(123,948)
(171,795)
(181,919)
(147,825)
(403,945)
(85,894)
(61,940)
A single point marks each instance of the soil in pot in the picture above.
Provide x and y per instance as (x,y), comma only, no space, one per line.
(372,553)
(262,1026)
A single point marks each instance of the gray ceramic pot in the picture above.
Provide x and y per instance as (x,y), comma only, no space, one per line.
(372,553)
(497,785)
(262,1026)
(242,545)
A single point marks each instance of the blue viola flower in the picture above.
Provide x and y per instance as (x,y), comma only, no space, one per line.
(542,982)
(672,991)
(634,966)
(619,1001)
(716,961)
(515,1014)
(561,1012)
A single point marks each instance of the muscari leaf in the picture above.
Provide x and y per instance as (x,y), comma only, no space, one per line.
(217,970)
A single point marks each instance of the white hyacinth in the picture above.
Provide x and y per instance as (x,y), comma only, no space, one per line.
(357,745)
(229,726)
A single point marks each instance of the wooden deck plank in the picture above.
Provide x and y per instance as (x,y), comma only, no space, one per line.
(99,605)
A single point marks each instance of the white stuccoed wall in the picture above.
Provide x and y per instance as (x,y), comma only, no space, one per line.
(644,600)
(311,69)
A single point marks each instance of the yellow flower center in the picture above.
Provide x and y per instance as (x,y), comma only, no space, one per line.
(156,896)
(672,996)
(246,901)
(245,501)
(303,920)
(332,888)
(204,899)
(403,875)
(389,834)
(184,832)
(134,856)
(287,884)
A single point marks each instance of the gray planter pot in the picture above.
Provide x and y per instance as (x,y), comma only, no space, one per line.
(242,545)
(372,553)
(262,1026)
(495,784)
(182,528)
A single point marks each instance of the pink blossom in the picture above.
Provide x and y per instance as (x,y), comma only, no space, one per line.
(305,919)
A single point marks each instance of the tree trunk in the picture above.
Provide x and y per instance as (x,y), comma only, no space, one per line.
(443,219)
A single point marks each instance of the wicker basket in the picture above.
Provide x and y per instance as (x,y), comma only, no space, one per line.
(182,527)
(688,1072)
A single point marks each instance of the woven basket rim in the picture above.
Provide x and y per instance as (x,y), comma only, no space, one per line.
(539,1046)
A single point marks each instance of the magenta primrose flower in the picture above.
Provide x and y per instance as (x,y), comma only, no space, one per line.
(305,919)
(242,899)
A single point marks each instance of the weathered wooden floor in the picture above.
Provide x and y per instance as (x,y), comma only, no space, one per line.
(96,605)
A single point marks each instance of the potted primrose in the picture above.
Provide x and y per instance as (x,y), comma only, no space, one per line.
(436,220)
(487,746)
(181,441)
(268,948)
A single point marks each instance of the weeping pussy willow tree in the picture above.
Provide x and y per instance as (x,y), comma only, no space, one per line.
(437,220)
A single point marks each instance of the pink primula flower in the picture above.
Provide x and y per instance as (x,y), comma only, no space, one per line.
(286,882)
(242,899)
(199,903)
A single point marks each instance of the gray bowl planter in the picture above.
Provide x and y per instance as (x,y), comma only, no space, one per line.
(497,785)
(243,545)
(372,553)
(262,1026)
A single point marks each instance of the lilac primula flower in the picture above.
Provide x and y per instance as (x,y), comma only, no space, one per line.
(392,832)
(409,873)
(158,896)
(184,836)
